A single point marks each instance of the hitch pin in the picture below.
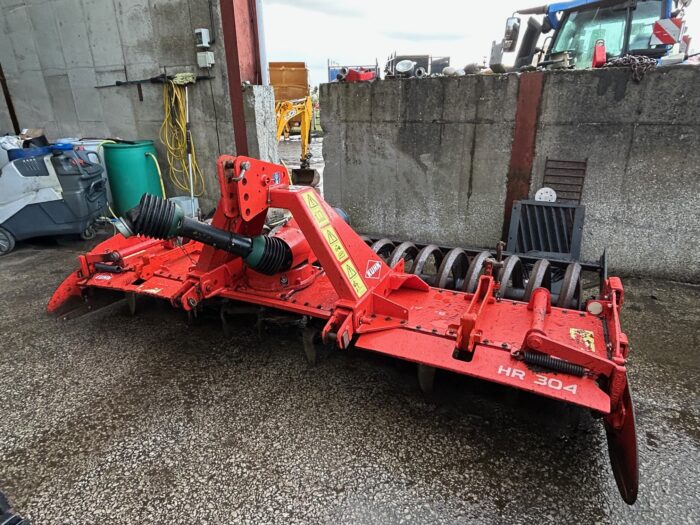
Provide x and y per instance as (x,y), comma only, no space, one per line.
(245,166)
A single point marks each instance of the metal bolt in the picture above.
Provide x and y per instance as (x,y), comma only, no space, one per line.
(191,302)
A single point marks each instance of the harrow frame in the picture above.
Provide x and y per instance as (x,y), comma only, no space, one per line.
(576,356)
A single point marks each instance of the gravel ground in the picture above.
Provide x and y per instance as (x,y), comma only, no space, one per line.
(111,419)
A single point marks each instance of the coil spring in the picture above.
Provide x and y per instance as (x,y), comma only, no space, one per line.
(454,269)
(155,217)
(558,365)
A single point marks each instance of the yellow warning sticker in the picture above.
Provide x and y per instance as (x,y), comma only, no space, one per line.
(354,277)
(584,337)
(335,243)
(315,208)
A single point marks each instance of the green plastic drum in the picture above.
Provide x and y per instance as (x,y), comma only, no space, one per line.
(132,172)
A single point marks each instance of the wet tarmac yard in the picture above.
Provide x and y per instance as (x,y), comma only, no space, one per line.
(112,419)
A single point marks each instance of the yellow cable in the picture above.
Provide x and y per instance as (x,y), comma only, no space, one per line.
(173,135)
(160,175)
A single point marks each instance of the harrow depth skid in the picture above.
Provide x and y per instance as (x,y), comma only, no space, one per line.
(489,325)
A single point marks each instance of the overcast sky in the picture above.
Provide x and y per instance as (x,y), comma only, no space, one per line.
(354,32)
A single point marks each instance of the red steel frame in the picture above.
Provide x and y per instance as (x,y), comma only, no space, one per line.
(242,47)
(338,278)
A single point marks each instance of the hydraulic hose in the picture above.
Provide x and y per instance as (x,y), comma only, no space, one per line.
(163,219)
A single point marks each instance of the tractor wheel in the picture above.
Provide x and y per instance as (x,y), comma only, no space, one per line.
(7,242)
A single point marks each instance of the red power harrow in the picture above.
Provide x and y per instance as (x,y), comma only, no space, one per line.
(316,266)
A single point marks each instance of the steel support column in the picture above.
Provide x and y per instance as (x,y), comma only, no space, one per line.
(524,137)
(241,43)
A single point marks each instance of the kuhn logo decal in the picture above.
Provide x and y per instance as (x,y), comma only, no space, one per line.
(374,269)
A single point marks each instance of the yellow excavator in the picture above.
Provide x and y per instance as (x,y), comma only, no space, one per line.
(298,110)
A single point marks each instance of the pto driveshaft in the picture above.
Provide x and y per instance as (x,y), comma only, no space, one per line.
(163,219)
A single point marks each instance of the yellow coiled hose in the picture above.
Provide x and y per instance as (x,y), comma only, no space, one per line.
(173,135)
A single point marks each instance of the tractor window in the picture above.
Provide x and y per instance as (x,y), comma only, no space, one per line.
(581,29)
(643,18)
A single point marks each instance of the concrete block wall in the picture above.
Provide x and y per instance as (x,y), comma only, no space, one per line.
(428,159)
(421,159)
(642,143)
(54,53)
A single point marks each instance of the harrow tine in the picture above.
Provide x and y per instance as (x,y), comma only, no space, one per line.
(308,337)
(426,378)
(622,448)
(131,302)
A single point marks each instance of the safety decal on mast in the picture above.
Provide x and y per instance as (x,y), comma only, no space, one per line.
(354,277)
(334,243)
(317,211)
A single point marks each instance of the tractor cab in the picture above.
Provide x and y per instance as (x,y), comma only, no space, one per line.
(569,33)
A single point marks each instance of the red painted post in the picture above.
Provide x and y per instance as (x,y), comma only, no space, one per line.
(524,137)
(240,28)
